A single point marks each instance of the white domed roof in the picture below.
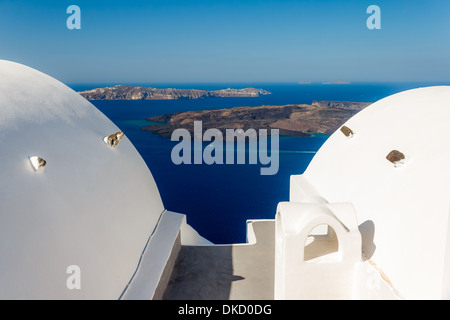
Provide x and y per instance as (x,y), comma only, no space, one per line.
(402,208)
(91,205)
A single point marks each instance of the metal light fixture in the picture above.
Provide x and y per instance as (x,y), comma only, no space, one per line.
(37,162)
(347,131)
(396,157)
(113,140)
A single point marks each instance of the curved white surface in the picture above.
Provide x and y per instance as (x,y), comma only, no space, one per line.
(92,205)
(403,212)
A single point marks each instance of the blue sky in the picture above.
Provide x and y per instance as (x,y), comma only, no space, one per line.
(183,41)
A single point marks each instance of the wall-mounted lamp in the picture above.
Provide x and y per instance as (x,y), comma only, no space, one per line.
(37,162)
(396,157)
(347,131)
(113,140)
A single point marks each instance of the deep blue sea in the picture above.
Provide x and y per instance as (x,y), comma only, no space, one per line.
(218,199)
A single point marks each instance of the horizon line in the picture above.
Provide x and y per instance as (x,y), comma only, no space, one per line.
(299,83)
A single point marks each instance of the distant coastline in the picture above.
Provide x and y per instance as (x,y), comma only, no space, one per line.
(338,81)
(301,120)
(123,92)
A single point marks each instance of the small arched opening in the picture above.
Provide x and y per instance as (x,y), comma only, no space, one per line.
(320,242)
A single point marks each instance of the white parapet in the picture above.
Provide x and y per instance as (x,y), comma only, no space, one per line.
(321,267)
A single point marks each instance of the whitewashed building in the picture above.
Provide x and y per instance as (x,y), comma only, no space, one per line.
(81,216)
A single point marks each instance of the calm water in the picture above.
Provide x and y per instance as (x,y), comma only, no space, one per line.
(218,199)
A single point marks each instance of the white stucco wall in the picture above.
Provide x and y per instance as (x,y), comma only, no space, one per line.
(408,205)
(91,205)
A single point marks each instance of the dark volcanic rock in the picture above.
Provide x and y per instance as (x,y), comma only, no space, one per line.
(340,104)
(291,120)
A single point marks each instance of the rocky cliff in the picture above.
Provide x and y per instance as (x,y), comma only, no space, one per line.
(293,120)
(147,93)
